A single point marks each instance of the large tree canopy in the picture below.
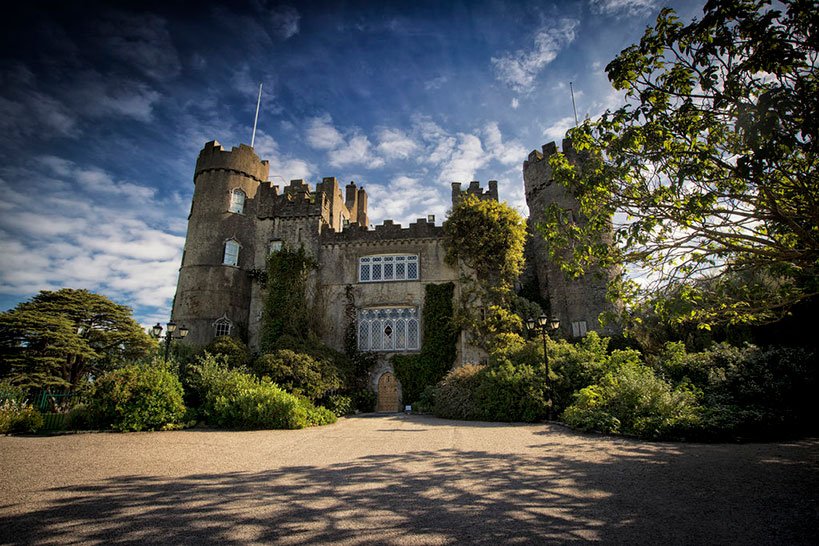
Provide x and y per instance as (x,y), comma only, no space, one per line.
(60,338)
(710,168)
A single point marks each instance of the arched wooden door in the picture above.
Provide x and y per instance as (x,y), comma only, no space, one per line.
(388,394)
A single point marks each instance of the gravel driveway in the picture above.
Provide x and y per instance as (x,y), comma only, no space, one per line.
(399,479)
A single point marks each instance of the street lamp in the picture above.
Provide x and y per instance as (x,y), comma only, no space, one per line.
(156,332)
(545,324)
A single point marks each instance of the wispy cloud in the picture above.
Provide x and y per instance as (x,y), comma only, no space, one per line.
(142,41)
(631,8)
(356,151)
(394,143)
(519,69)
(322,134)
(283,21)
(404,200)
(557,130)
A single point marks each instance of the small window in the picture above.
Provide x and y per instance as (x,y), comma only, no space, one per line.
(237,201)
(579,328)
(274,246)
(397,267)
(231,253)
(222,326)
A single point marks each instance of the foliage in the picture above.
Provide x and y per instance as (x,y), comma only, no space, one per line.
(60,338)
(438,349)
(298,373)
(233,350)
(712,161)
(486,236)
(235,399)
(747,392)
(285,309)
(510,392)
(80,417)
(138,397)
(10,391)
(632,400)
(426,401)
(455,394)
(364,400)
(339,404)
(19,416)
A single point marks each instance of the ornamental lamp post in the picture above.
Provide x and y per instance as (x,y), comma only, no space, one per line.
(156,332)
(545,324)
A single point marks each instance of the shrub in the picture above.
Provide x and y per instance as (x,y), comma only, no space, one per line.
(425,402)
(455,394)
(364,400)
(80,417)
(339,404)
(235,399)
(234,352)
(632,400)
(19,416)
(10,391)
(509,392)
(138,397)
(298,373)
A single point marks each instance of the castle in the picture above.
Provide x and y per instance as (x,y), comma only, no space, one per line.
(238,218)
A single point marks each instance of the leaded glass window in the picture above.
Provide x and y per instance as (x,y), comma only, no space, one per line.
(237,201)
(231,253)
(390,267)
(388,329)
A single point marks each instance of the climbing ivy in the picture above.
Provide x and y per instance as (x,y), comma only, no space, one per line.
(438,349)
(285,308)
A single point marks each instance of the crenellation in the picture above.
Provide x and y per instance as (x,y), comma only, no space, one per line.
(476,190)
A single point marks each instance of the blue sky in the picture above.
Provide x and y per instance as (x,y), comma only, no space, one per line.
(104,108)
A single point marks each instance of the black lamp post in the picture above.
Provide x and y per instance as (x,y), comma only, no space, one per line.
(156,332)
(545,324)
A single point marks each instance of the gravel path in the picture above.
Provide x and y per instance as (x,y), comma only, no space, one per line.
(403,480)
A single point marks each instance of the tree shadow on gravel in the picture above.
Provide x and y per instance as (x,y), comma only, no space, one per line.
(642,493)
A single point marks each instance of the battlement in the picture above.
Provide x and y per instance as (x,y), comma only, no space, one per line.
(387,231)
(476,190)
(242,160)
(548,150)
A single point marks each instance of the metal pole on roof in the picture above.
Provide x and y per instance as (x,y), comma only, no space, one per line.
(256,118)
(573,106)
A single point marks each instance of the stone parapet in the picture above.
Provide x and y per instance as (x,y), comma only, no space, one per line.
(242,160)
(388,231)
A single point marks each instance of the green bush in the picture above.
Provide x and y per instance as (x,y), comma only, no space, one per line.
(298,373)
(80,417)
(10,391)
(509,392)
(746,392)
(234,352)
(137,397)
(455,396)
(425,402)
(632,400)
(235,399)
(19,416)
(339,404)
(364,400)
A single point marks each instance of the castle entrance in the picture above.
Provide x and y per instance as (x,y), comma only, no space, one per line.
(388,394)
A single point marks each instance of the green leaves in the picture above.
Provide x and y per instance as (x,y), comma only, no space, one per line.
(710,168)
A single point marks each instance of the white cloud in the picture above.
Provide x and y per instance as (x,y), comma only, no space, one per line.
(466,158)
(515,103)
(631,8)
(284,21)
(281,165)
(557,130)
(322,135)
(394,143)
(404,200)
(355,152)
(507,153)
(518,70)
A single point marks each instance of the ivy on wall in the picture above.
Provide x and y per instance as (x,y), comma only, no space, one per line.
(285,307)
(438,348)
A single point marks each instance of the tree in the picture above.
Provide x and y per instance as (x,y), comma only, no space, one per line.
(59,338)
(709,169)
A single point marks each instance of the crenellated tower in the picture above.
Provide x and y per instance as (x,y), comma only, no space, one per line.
(576,302)
(214,288)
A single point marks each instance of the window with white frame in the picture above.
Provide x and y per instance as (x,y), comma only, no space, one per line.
(231,253)
(222,326)
(388,267)
(274,246)
(579,328)
(237,201)
(388,329)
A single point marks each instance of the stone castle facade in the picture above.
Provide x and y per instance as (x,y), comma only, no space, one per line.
(378,274)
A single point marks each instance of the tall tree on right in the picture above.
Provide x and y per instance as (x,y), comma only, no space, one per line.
(709,168)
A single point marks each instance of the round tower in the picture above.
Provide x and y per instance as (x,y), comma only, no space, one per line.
(576,302)
(213,292)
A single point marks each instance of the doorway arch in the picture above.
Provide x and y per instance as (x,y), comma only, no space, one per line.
(388,400)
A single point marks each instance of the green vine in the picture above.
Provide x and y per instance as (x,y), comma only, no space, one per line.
(285,309)
(438,349)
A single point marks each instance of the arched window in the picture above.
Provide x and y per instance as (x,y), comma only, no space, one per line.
(222,326)
(237,201)
(388,329)
(231,253)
